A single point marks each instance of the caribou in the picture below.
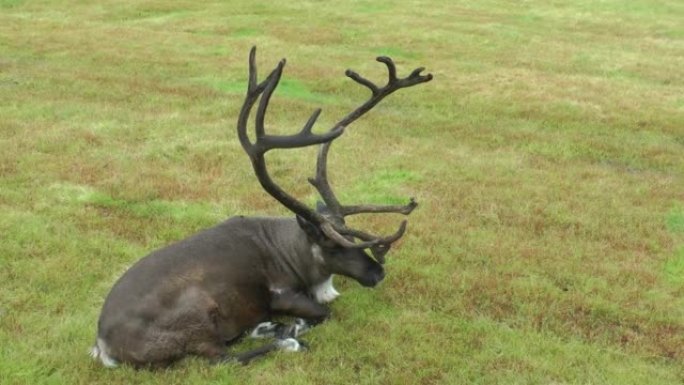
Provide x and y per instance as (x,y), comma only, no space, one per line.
(203,293)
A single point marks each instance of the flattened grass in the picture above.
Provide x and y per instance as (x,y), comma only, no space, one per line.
(546,155)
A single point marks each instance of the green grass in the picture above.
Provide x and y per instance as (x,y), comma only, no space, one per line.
(546,154)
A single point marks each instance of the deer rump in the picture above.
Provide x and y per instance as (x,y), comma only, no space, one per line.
(202,293)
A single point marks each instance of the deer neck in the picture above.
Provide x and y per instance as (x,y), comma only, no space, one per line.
(296,258)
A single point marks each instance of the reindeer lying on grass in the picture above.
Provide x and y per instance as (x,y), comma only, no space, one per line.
(198,295)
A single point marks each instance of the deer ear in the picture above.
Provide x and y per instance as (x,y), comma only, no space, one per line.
(312,231)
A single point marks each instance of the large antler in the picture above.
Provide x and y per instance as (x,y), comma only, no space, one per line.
(264,143)
(321,180)
(333,224)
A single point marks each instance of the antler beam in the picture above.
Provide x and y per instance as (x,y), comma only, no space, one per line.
(320,182)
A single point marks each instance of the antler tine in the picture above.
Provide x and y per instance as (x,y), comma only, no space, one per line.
(379,93)
(382,248)
(253,92)
(304,138)
(252,70)
(391,68)
(334,233)
(362,209)
(363,81)
(320,182)
(264,142)
(271,84)
(374,238)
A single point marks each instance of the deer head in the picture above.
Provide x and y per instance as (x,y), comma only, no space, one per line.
(327,220)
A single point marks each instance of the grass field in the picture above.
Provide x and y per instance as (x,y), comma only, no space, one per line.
(547,155)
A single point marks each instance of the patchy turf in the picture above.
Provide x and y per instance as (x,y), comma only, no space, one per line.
(547,156)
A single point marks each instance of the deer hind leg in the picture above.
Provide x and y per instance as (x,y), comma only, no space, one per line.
(195,335)
(188,327)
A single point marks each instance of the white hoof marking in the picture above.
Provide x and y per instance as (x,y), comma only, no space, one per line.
(301,327)
(100,350)
(289,345)
(264,330)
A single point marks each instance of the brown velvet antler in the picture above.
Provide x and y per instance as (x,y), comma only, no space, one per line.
(331,224)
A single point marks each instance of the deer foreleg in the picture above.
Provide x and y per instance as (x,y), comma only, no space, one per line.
(298,304)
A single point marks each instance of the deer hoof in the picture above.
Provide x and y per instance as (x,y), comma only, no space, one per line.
(301,327)
(266,330)
(291,345)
